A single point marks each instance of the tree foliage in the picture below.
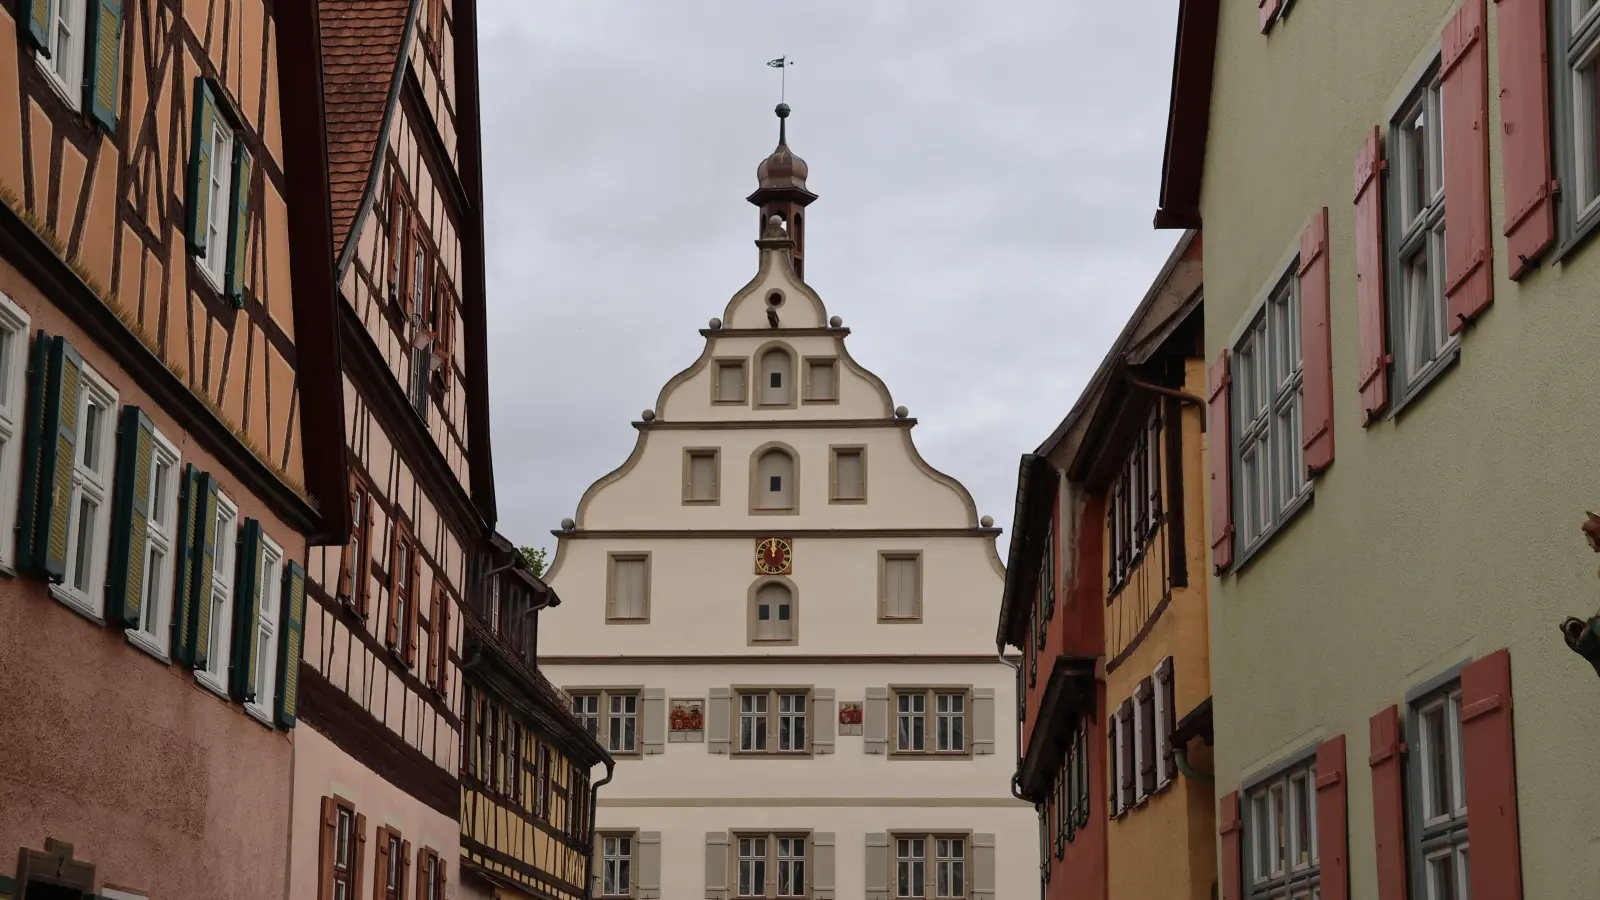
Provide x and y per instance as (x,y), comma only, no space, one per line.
(536,558)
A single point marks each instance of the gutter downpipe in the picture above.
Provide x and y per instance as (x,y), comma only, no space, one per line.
(1191,399)
(1180,756)
(594,803)
(1015,776)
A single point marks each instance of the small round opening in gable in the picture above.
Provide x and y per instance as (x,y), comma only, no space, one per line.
(775,299)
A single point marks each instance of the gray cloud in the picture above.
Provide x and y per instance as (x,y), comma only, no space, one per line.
(987,174)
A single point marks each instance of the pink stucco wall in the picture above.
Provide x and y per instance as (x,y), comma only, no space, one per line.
(322,769)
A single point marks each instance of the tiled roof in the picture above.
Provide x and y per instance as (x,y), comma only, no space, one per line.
(360,44)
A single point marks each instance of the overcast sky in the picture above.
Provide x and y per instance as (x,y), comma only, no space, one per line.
(987,170)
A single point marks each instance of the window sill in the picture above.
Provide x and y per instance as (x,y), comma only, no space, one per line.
(61,91)
(617,620)
(260,715)
(1282,525)
(202,266)
(147,644)
(1582,231)
(213,684)
(899,620)
(81,606)
(1434,372)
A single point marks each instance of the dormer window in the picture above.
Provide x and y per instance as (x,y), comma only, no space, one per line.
(776,385)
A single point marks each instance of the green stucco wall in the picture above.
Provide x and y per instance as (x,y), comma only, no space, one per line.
(1435,537)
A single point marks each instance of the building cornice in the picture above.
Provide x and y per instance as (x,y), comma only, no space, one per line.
(770,424)
(820,331)
(758,533)
(780,659)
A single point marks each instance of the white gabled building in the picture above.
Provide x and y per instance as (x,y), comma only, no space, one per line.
(779,620)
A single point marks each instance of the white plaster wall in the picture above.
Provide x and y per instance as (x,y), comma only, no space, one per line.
(861,396)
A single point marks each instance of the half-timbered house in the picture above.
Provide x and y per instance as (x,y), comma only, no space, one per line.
(169,411)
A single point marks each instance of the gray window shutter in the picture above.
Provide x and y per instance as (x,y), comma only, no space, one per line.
(718,710)
(822,865)
(717,864)
(878,860)
(983,867)
(823,718)
(983,720)
(649,874)
(875,720)
(654,723)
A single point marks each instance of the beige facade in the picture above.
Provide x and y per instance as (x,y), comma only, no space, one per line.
(749,687)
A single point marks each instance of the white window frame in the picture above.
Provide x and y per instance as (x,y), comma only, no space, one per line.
(793,711)
(620,709)
(910,856)
(750,853)
(950,867)
(219,217)
(93,485)
(586,710)
(1267,408)
(911,722)
(153,634)
(753,712)
(269,607)
(71,16)
(1438,835)
(950,722)
(1163,695)
(1419,315)
(795,864)
(14,344)
(219,651)
(616,865)
(1580,48)
(1270,805)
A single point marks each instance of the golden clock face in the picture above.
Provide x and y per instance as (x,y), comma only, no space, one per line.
(774,556)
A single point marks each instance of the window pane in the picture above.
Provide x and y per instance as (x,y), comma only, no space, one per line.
(774,387)
(629,589)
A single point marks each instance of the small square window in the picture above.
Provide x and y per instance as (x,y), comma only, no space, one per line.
(729,383)
(702,476)
(775,483)
(822,380)
(848,481)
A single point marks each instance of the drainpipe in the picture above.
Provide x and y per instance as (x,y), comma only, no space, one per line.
(1191,399)
(1016,777)
(1180,755)
(594,803)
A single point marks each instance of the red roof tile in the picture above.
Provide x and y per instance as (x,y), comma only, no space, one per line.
(360,45)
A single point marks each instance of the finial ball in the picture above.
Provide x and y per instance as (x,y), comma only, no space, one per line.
(775,222)
(782,110)
(568,524)
(648,415)
(836,322)
(900,412)
(987,521)
(716,324)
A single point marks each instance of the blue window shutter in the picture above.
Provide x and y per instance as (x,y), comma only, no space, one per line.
(29,510)
(130,517)
(205,112)
(292,630)
(59,448)
(203,559)
(183,604)
(246,596)
(36,18)
(239,234)
(105,49)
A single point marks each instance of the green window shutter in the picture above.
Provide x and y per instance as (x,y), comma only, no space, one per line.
(130,517)
(203,559)
(205,113)
(58,447)
(291,631)
(246,600)
(29,524)
(238,235)
(37,16)
(105,47)
(183,603)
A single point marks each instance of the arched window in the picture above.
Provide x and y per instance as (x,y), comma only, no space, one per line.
(777,378)
(775,481)
(773,618)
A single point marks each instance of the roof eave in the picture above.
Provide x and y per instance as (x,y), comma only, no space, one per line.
(1188,114)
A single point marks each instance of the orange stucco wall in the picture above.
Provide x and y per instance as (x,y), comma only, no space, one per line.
(1165,846)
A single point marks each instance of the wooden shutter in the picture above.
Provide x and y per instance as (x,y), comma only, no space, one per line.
(200,165)
(1388,803)
(446,315)
(1468,287)
(983,866)
(398,231)
(51,427)
(358,864)
(239,232)
(1113,767)
(248,565)
(1316,347)
(432,675)
(1333,842)
(327,835)
(444,643)
(1231,829)
(348,558)
(716,865)
(653,720)
(204,557)
(719,714)
(1144,696)
(649,873)
(1525,134)
(380,865)
(1490,767)
(184,599)
(1269,9)
(1166,719)
(32,518)
(405,868)
(412,618)
(292,630)
(822,865)
(130,518)
(875,721)
(1125,720)
(1374,382)
(982,731)
(877,866)
(1220,449)
(391,634)
(104,51)
(37,16)
(823,718)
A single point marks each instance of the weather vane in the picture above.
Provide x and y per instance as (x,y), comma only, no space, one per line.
(782,64)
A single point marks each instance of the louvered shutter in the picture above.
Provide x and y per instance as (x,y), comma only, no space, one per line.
(293,630)
(719,714)
(716,865)
(877,866)
(983,721)
(239,231)
(405,867)
(1316,347)
(1489,765)
(348,557)
(326,837)
(1333,841)
(130,518)
(875,721)
(1388,803)
(204,559)
(649,873)
(1113,770)
(1468,286)
(104,51)
(205,113)
(653,720)
(184,599)
(444,643)
(823,863)
(1166,720)
(246,612)
(380,864)
(1145,743)
(412,618)
(1219,447)
(1231,829)
(1525,135)
(1374,381)
(432,675)
(445,312)
(983,866)
(1268,9)
(33,507)
(398,265)
(37,16)
(52,421)
(1126,763)
(391,630)
(824,717)
(358,865)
